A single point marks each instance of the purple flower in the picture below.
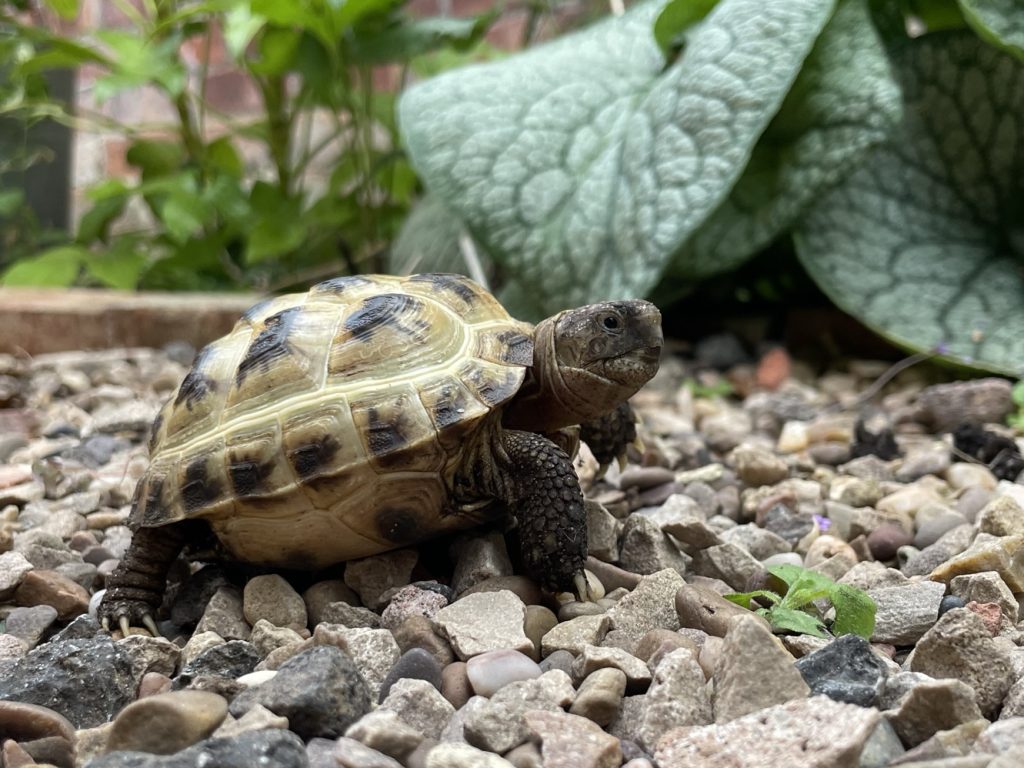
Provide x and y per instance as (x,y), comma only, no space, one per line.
(822,522)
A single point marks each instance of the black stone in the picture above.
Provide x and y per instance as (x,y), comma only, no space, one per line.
(307,460)
(998,452)
(949,602)
(845,670)
(415,663)
(271,747)
(86,679)
(199,489)
(435,586)
(83,627)
(231,659)
(787,523)
(867,443)
(269,344)
(192,597)
(320,691)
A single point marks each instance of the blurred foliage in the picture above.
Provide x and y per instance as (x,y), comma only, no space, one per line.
(337,188)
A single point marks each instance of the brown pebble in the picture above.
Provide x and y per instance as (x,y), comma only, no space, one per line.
(26,722)
(886,540)
(418,632)
(153,683)
(14,756)
(700,608)
(168,722)
(611,576)
(455,685)
(52,750)
(991,614)
(656,638)
(43,587)
(538,622)
(525,756)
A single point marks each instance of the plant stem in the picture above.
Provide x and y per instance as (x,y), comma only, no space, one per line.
(279,127)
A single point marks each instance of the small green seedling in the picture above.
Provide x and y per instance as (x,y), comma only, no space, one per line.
(1016,419)
(794,612)
(721,388)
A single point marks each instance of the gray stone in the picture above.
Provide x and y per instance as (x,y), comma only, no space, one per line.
(151,654)
(575,634)
(1002,516)
(224,615)
(600,695)
(490,672)
(570,740)
(960,647)
(906,612)
(479,557)
(651,605)
(272,598)
(646,549)
(87,680)
(498,726)
(349,753)
(231,660)
(756,540)
(986,587)
(953,742)
(758,466)
(372,578)
(677,697)
(349,616)
(463,756)
(277,748)
(1004,555)
(933,521)
(374,651)
(419,705)
(267,637)
(415,663)
(13,567)
(320,691)
(603,531)
(1002,736)
(256,719)
(845,670)
(931,706)
(882,748)
(754,672)
(810,733)
(324,593)
(31,624)
(928,560)
(945,406)
(482,622)
(592,658)
(733,565)
(933,459)
(411,601)
(385,732)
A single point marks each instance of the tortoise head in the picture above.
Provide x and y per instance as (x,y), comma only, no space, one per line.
(589,360)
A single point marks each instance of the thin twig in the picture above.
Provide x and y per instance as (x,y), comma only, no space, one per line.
(472,259)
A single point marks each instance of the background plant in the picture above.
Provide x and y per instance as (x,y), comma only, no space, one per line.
(214,222)
(646,153)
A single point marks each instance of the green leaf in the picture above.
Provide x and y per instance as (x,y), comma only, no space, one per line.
(221,155)
(428,241)
(56,267)
(791,574)
(745,599)
(350,12)
(409,38)
(155,158)
(936,15)
(855,611)
(66,9)
(676,19)
(120,266)
(844,103)
(999,22)
(924,242)
(791,620)
(139,61)
(810,586)
(240,27)
(276,50)
(10,201)
(279,226)
(1018,393)
(582,165)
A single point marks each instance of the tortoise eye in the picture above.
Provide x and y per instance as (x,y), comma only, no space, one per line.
(611,323)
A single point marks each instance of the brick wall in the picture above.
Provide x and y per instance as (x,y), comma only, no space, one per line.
(100,154)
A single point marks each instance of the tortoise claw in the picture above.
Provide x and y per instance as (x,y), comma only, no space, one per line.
(149,623)
(122,623)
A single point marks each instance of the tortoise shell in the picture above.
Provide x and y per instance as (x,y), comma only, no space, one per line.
(328,425)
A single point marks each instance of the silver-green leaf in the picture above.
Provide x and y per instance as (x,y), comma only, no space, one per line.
(925,241)
(1000,22)
(844,102)
(583,165)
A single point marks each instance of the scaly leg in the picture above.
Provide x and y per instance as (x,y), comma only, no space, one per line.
(609,436)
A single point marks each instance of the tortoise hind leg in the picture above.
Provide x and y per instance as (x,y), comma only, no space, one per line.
(609,436)
(545,497)
(136,587)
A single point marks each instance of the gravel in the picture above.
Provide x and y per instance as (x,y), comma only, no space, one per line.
(446,655)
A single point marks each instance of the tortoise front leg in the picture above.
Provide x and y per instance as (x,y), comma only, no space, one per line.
(545,497)
(136,587)
(609,436)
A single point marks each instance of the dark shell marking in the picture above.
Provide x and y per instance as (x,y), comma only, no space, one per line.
(398,526)
(196,385)
(452,283)
(269,344)
(384,310)
(517,347)
(199,489)
(248,477)
(338,285)
(307,460)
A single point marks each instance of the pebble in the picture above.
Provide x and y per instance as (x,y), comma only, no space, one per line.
(600,695)
(349,616)
(455,685)
(646,549)
(411,601)
(603,532)
(570,741)
(944,407)
(383,731)
(267,637)
(44,587)
(574,634)
(420,632)
(538,622)
(482,622)
(87,680)
(754,672)
(592,658)
(1002,517)
(320,691)
(30,624)
(274,747)
(151,654)
(28,722)
(524,588)
(904,613)
(1003,554)
(322,594)
(651,605)
(374,651)
(13,569)
(959,646)
(758,466)
(225,615)
(416,664)
(167,722)
(812,733)
(272,599)
(677,697)
(372,578)
(931,706)
(708,611)
(985,587)
(731,564)
(478,558)
(490,672)
(463,756)
(845,670)
(419,705)
(497,723)
(231,660)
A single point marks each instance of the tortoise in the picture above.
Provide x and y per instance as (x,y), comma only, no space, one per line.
(372,412)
